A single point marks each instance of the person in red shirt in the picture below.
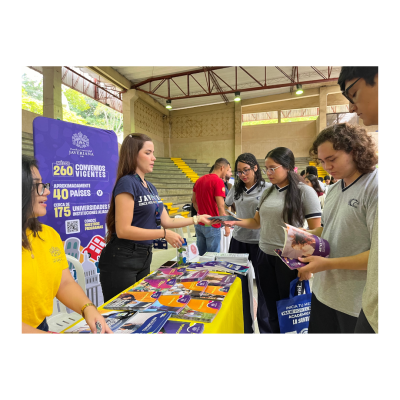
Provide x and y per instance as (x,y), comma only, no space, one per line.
(209,198)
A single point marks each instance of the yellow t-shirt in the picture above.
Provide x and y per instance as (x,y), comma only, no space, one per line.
(41,275)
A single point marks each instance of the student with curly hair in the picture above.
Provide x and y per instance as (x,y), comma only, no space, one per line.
(348,153)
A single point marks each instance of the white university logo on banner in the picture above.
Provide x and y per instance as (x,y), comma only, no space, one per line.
(80,140)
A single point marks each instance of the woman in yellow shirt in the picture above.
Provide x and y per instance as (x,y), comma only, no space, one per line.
(45,272)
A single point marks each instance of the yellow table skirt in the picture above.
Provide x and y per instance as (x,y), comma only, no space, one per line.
(228,320)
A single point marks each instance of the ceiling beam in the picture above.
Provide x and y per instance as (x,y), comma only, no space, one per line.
(113,76)
(158,78)
(288,96)
(251,89)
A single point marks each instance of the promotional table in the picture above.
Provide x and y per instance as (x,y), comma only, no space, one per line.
(229,318)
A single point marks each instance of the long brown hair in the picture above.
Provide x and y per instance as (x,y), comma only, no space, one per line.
(127,164)
(292,210)
(28,195)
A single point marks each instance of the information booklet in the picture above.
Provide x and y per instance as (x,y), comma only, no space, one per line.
(113,319)
(193,276)
(182,327)
(212,293)
(299,243)
(160,283)
(217,279)
(171,272)
(224,218)
(130,301)
(144,323)
(171,303)
(144,286)
(221,266)
(200,310)
(190,288)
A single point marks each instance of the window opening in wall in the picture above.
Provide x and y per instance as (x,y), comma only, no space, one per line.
(270,117)
(339,118)
(300,114)
(77,108)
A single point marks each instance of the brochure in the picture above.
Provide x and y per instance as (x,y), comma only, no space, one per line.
(224,218)
(113,319)
(144,286)
(182,327)
(133,301)
(171,303)
(216,279)
(193,276)
(224,267)
(212,293)
(170,272)
(144,323)
(189,288)
(200,310)
(160,283)
(299,243)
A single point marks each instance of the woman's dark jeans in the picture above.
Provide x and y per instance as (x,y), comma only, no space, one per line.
(122,263)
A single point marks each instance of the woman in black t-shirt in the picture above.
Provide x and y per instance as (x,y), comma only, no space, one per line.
(134,220)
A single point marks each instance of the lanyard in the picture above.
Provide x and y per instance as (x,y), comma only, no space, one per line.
(154,198)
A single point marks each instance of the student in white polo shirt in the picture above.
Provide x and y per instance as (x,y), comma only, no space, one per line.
(287,200)
(348,153)
(245,194)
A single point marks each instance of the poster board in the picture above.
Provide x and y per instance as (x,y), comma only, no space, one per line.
(80,162)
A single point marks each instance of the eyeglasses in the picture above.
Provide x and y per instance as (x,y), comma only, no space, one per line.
(346,92)
(41,187)
(270,170)
(244,172)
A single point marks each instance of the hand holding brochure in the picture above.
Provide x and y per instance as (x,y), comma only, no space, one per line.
(224,218)
(299,243)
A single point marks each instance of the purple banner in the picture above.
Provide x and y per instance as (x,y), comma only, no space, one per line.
(80,162)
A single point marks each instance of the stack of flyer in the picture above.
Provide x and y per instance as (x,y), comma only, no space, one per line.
(220,266)
(209,256)
(127,322)
(241,259)
(182,327)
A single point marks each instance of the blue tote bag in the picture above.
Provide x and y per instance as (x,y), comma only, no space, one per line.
(294,312)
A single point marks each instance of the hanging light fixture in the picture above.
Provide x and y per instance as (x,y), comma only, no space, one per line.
(169,106)
(299,89)
(237,96)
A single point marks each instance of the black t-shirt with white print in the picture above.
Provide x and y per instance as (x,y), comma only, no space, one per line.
(145,203)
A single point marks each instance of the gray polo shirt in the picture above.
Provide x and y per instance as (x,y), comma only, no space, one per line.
(272,236)
(246,207)
(347,220)
(370,294)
